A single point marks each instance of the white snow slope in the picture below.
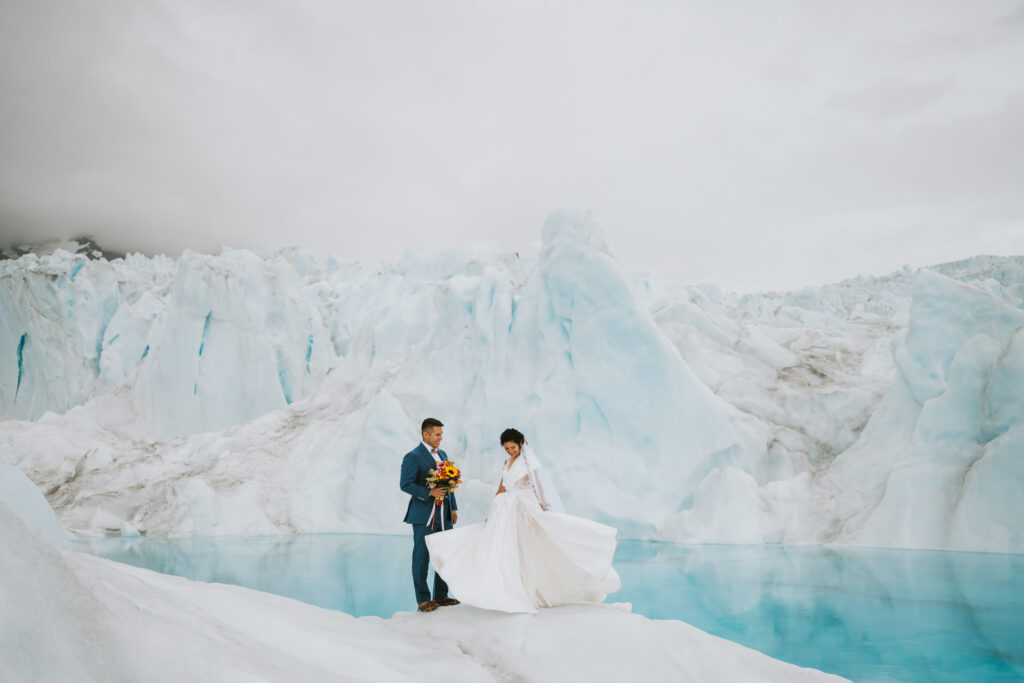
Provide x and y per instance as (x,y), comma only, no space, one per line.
(240,394)
(66,616)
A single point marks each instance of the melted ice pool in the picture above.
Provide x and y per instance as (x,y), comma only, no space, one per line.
(864,613)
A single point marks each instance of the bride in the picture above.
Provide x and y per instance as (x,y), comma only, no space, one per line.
(528,553)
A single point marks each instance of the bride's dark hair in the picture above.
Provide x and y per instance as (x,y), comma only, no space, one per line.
(513,435)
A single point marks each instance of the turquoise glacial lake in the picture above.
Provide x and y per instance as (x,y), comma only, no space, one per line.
(864,613)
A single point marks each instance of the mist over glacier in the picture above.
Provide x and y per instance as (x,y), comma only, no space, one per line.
(242,394)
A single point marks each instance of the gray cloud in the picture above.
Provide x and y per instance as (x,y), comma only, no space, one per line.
(889,98)
(754,146)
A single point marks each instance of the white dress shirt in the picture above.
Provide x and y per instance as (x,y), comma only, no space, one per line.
(437,458)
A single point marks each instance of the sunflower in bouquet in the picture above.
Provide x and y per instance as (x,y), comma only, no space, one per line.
(446,476)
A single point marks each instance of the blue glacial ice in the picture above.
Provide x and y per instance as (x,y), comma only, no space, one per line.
(240,393)
(22,497)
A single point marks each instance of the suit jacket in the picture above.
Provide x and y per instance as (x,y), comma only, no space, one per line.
(416,465)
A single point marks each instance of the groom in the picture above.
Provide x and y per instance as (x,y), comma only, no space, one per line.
(415,467)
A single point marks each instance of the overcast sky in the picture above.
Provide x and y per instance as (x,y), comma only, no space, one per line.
(758,145)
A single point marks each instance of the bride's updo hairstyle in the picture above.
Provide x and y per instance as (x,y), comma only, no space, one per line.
(513,435)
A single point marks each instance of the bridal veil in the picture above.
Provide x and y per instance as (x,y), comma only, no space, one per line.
(547,493)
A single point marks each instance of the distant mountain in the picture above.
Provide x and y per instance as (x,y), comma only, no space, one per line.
(83,244)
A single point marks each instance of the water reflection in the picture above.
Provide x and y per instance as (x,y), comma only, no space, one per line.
(353,573)
(868,614)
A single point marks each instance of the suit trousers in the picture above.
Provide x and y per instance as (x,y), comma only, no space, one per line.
(420,561)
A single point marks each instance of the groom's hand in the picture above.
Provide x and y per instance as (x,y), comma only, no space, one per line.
(436,492)
(455,516)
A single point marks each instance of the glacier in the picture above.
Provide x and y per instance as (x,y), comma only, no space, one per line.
(249,394)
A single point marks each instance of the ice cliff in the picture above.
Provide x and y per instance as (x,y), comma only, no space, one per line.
(247,394)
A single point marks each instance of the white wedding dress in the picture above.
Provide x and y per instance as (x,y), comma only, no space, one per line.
(523,557)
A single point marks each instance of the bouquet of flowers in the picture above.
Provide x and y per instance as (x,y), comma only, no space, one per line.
(447,476)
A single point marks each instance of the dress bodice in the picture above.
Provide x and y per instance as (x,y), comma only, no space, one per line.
(516,477)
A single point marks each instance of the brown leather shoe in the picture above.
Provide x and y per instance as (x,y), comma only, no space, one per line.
(447,602)
(427,606)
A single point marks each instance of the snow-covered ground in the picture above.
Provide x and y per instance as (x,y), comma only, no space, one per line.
(241,394)
(68,616)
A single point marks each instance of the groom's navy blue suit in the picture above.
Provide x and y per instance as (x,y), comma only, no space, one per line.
(416,465)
